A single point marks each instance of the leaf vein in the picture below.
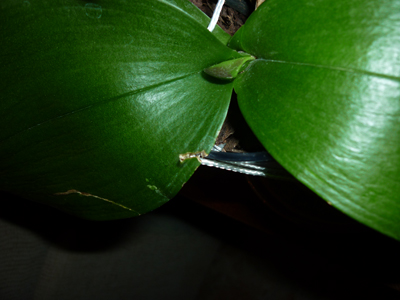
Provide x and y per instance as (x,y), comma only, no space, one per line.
(102,102)
(349,70)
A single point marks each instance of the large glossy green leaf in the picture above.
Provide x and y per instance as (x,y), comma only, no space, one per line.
(324,99)
(98,100)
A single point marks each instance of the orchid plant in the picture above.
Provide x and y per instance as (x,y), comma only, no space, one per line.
(106,106)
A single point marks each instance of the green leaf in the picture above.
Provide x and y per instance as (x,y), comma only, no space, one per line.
(99,100)
(324,99)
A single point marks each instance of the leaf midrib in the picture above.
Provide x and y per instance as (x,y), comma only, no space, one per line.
(335,68)
(105,101)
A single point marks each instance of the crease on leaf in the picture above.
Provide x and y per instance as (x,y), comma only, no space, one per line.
(157,191)
(72,191)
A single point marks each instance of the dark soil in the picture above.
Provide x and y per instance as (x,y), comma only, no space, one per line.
(230,20)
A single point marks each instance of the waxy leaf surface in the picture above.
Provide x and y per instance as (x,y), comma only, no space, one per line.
(324,98)
(99,99)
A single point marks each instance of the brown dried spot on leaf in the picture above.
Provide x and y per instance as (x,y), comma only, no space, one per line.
(189,155)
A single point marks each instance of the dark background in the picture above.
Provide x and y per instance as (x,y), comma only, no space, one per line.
(186,250)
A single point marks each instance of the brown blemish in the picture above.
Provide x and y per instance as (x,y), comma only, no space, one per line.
(188,155)
(259,2)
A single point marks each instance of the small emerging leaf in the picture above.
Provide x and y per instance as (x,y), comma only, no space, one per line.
(229,69)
